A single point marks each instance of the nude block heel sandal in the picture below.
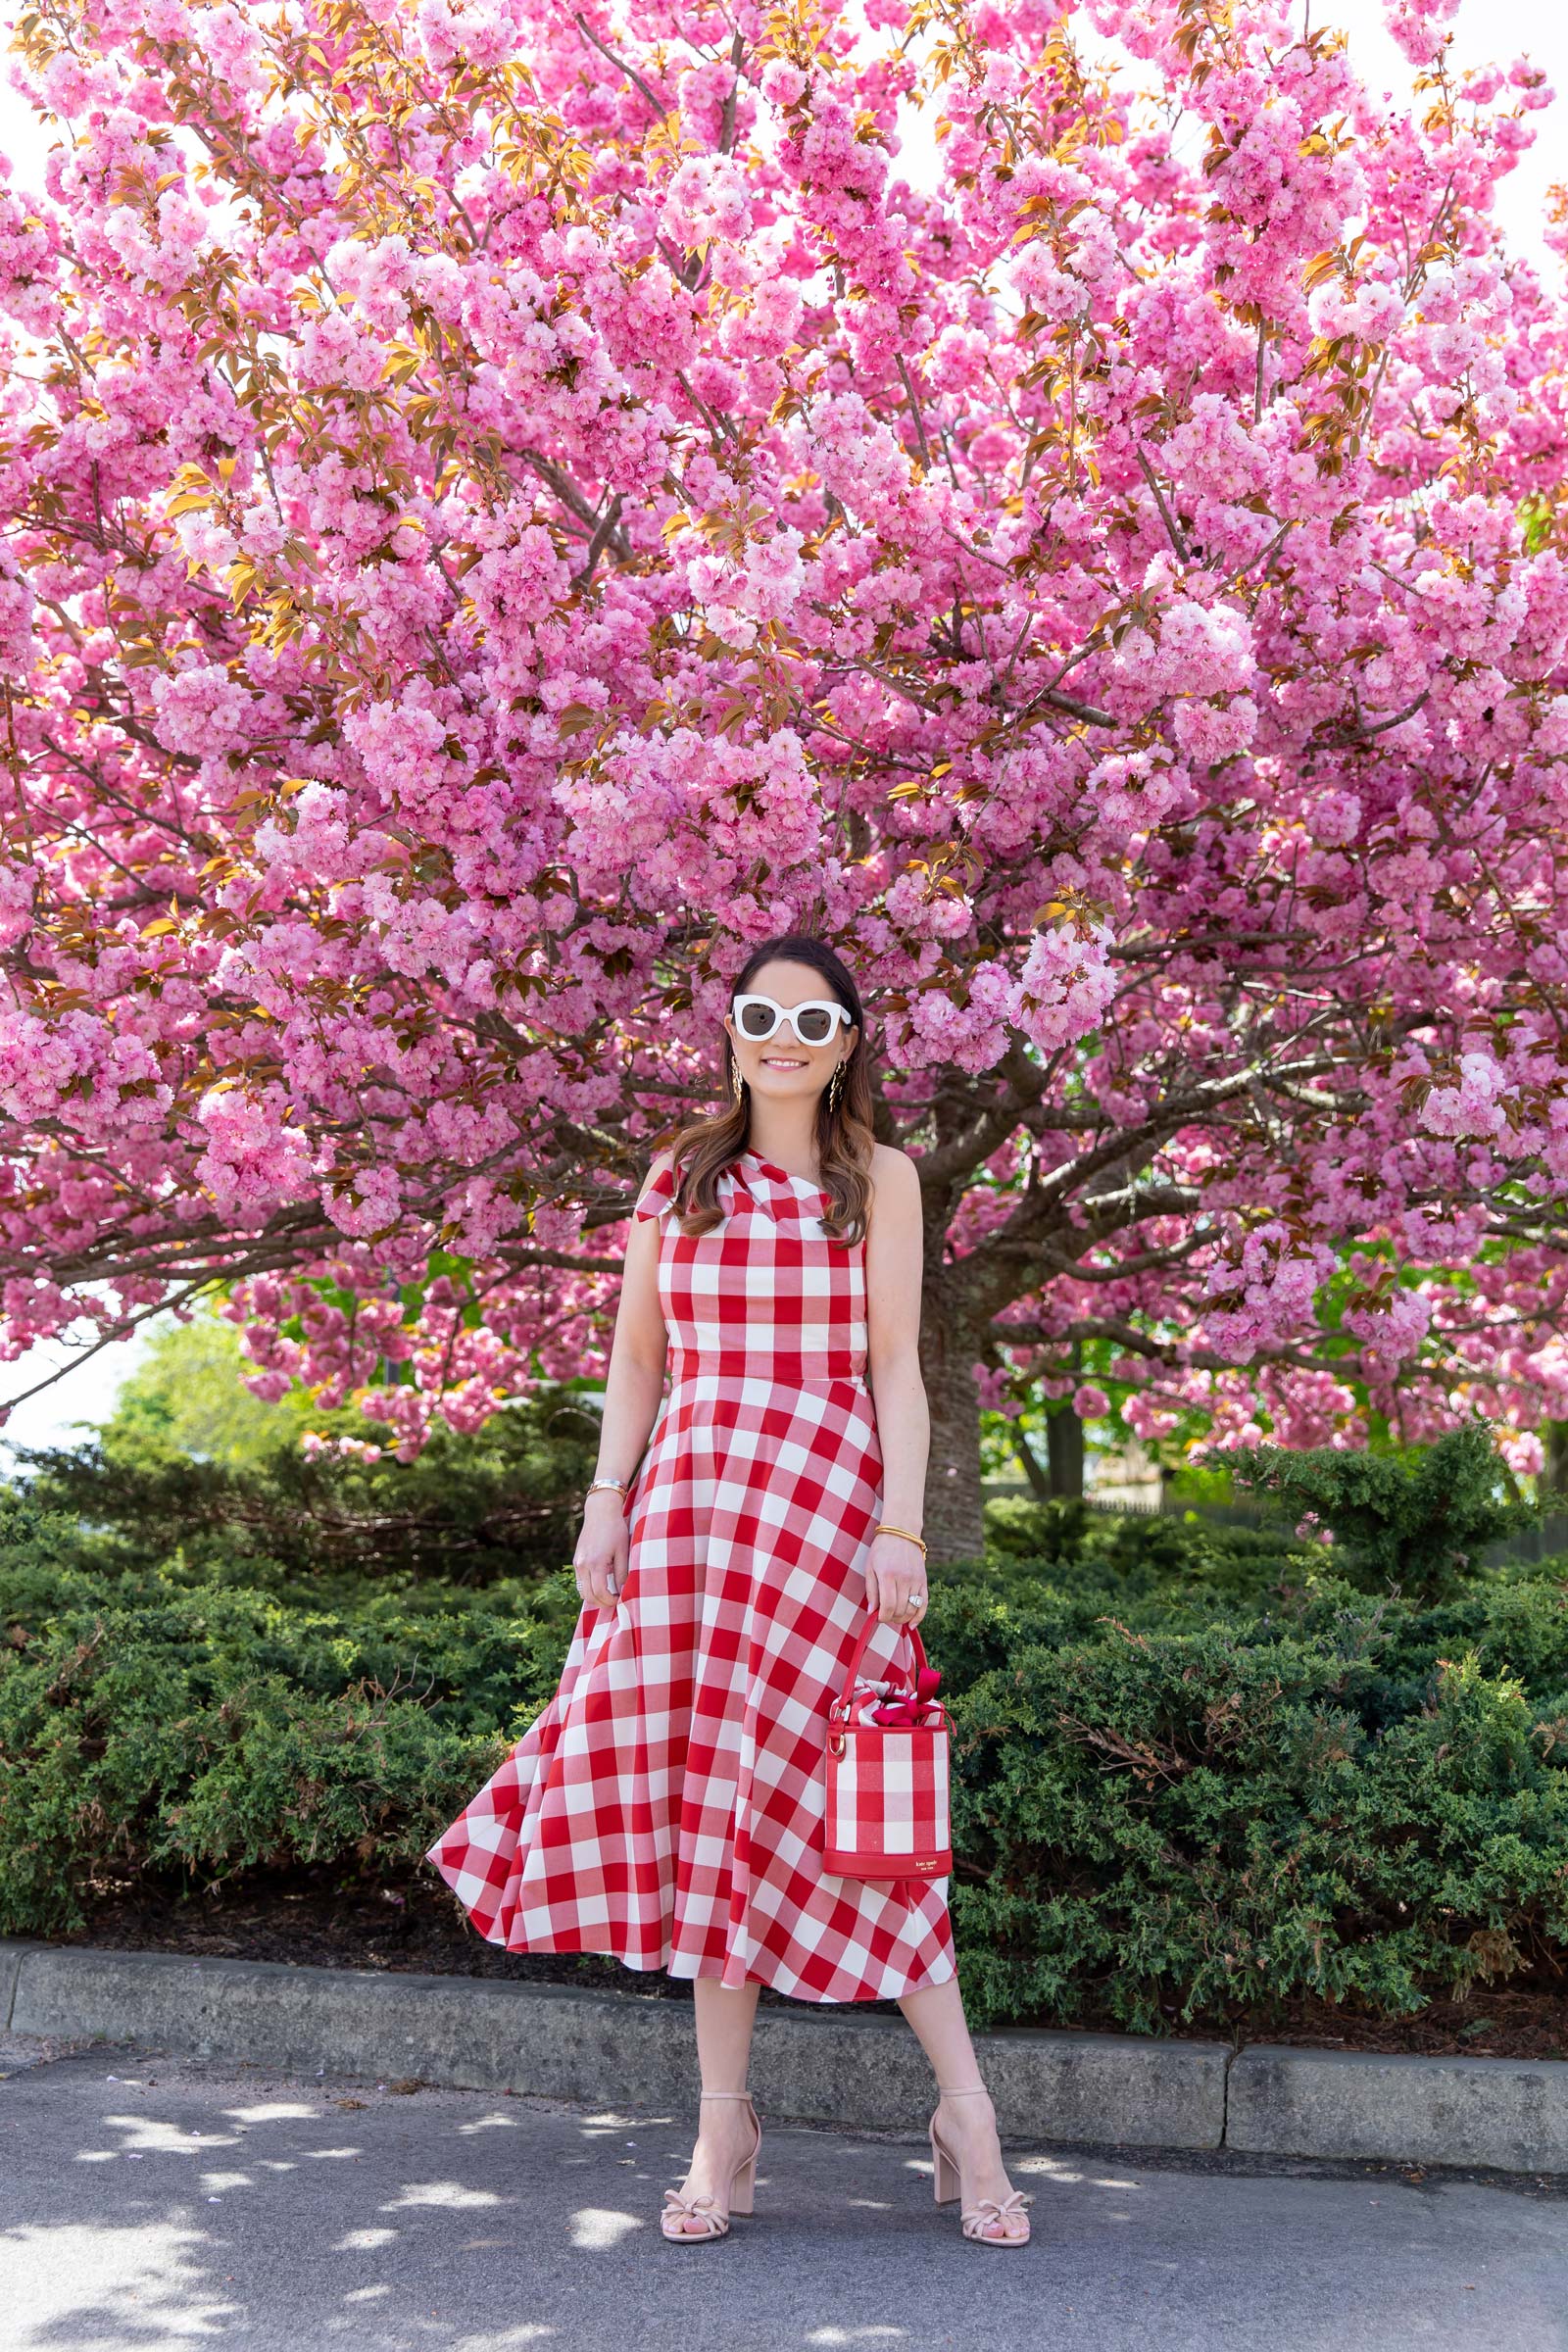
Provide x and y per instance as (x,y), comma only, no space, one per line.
(742,2190)
(978,2220)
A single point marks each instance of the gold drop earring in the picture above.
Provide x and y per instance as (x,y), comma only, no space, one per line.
(835,1085)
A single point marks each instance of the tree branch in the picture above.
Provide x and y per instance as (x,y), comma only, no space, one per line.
(596,544)
(619,64)
(1166,517)
(1087,712)
(727,127)
(1364,730)
(573,499)
(914,412)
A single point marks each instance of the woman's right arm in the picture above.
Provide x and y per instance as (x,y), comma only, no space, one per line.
(633,1387)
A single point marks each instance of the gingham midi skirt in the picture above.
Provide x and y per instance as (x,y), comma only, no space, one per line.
(667,1806)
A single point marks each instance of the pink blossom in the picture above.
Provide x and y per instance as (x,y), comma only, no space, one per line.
(1472,1108)
(1523,1452)
(1066,985)
(573,501)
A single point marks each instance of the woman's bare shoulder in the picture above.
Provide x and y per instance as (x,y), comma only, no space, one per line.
(894,1174)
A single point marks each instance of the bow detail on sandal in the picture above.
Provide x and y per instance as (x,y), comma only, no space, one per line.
(981,2218)
(985,2222)
(705,2207)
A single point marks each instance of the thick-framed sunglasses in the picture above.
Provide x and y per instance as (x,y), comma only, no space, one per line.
(815,1022)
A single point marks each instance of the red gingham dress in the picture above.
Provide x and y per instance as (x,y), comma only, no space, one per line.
(667,1806)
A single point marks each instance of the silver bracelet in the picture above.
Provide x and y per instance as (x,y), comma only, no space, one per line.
(619,1485)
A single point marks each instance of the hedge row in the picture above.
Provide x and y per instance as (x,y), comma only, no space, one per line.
(1194,1775)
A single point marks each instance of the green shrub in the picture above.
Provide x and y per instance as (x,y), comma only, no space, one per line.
(152,1727)
(1419,1526)
(501,1502)
(1196,1775)
(1209,1823)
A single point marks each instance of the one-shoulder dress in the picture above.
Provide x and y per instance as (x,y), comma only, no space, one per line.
(667,1805)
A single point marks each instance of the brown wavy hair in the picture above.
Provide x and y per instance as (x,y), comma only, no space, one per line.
(704,1147)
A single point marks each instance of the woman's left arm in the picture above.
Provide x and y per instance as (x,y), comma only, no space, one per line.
(895,1252)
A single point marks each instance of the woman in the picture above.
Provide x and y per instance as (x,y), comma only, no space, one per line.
(667,1807)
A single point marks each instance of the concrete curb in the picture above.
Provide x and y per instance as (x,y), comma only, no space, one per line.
(828,2062)
(824,2065)
(10,1963)
(1511,2113)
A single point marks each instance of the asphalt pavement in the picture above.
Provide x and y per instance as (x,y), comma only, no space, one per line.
(146,2204)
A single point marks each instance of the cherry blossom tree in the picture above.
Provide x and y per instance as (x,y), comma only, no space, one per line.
(507,504)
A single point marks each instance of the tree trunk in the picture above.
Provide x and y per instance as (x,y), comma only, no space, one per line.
(1064,1434)
(954,1526)
(1039,1479)
(1555,1477)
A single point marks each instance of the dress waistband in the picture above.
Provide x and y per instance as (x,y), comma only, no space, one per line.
(830,1364)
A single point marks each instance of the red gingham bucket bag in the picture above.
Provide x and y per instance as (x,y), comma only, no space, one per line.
(887,1775)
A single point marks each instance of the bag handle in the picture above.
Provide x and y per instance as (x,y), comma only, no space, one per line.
(846,1698)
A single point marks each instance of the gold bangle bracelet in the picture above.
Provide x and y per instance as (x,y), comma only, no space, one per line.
(883,1529)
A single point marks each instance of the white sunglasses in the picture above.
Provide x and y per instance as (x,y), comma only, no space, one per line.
(815,1022)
